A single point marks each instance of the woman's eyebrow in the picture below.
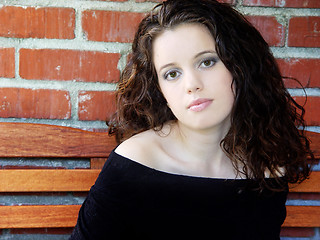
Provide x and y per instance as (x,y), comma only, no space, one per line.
(166,65)
(205,52)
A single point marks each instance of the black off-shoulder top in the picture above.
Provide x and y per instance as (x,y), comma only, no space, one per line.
(132,201)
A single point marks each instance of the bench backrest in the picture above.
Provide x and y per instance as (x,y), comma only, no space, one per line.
(36,141)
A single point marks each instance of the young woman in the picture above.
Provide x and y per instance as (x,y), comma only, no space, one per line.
(208,134)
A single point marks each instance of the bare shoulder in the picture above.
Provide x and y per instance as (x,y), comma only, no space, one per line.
(280,172)
(141,148)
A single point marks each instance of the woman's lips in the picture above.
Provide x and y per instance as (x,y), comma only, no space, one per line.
(199,104)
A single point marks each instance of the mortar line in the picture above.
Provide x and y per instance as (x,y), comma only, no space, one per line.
(61,122)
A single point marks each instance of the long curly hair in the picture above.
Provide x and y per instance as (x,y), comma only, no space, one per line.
(267,126)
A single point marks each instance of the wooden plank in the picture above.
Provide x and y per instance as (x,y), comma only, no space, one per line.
(40,140)
(53,216)
(311,185)
(60,180)
(97,163)
(302,216)
(315,142)
(44,216)
(42,180)
(47,180)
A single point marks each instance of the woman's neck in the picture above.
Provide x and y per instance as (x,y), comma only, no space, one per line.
(196,152)
(203,145)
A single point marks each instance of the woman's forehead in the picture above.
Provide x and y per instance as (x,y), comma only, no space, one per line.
(184,40)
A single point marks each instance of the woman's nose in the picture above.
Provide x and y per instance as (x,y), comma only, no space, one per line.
(193,82)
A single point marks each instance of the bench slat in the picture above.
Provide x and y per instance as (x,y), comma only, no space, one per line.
(66,216)
(311,185)
(47,180)
(38,216)
(302,216)
(39,140)
(61,180)
(315,142)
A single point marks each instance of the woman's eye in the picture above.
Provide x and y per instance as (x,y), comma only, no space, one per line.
(207,63)
(171,75)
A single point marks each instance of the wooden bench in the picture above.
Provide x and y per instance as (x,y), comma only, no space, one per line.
(25,140)
(45,141)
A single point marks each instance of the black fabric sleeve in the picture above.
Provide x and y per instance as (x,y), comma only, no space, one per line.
(102,214)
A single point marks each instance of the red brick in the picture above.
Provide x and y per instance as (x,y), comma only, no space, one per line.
(272,31)
(307,71)
(60,64)
(33,22)
(110,26)
(304,32)
(312,107)
(297,232)
(94,105)
(283,3)
(39,103)
(7,64)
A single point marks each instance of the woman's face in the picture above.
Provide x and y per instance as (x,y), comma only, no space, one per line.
(192,78)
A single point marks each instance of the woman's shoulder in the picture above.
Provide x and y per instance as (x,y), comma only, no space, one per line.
(120,166)
(143,148)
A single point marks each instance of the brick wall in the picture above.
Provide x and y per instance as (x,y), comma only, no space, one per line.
(60,61)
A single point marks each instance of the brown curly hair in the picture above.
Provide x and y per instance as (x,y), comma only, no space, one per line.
(267,126)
